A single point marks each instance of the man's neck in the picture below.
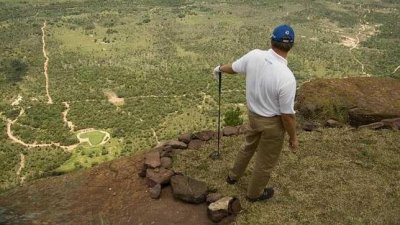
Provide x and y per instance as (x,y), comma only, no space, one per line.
(280,52)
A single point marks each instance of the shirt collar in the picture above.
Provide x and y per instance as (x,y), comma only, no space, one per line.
(277,57)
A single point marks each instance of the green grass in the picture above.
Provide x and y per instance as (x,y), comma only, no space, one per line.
(339,176)
(86,156)
(95,137)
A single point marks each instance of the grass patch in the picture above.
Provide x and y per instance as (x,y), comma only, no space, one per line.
(95,137)
(86,156)
(339,176)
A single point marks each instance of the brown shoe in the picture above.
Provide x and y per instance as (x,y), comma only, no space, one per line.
(267,194)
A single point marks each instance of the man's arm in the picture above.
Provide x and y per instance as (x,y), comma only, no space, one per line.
(289,123)
(227,68)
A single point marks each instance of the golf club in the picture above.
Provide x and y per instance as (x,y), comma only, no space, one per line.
(216,154)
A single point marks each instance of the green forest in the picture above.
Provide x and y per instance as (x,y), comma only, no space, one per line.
(158,57)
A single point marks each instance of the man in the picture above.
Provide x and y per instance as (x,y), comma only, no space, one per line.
(270,92)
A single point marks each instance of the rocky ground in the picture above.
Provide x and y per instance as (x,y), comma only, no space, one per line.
(111,193)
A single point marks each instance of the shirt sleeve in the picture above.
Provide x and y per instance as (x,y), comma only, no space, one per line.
(240,65)
(286,98)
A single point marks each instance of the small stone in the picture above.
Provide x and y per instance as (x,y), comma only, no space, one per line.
(230,131)
(309,126)
(204,135)
(109,189)
(196,144)
(155,192)
(161,176)
(219,209)
(176,144)
(185,138)
(373,126)
(333,124)
(152,159)
(166,162)
(213,197)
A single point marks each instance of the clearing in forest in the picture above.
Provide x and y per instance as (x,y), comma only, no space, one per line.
(93,137)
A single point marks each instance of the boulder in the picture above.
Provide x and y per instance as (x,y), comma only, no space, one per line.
(176,144)
(358,100)
(166,162)
(188,189)
(158,176)
(222,208)
(230,131)
(213,197)
(185,138)
(152,159)
(195,144)
(204,135)
(155,192)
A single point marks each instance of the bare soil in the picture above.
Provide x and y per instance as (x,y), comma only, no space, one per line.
(111,193)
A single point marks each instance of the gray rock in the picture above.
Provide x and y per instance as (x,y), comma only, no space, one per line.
(166,162)
(185,138)
(230,131)
(333,124)
(155,192)
(152,159)
(310,126)
(176,144)
(158,176)
(204,135)
(223,208)
(188,189)
(218,210)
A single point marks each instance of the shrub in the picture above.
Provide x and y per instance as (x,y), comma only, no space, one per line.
(232,117)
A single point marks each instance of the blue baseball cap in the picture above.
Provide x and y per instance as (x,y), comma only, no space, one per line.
(283,33)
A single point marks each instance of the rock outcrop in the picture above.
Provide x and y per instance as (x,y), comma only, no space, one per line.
(358,101)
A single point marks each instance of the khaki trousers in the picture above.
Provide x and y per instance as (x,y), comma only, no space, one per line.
(265,136)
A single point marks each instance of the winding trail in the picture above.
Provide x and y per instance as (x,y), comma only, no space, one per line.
(155,136)
(34,145)
(362,29)
(395,70)
(70,125)
(21,167)
(46,64)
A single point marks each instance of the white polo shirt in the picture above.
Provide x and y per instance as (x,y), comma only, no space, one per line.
(270,84)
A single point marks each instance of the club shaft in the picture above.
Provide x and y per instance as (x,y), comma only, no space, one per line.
(219,108)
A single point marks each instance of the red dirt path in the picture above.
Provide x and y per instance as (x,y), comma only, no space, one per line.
(111,193)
